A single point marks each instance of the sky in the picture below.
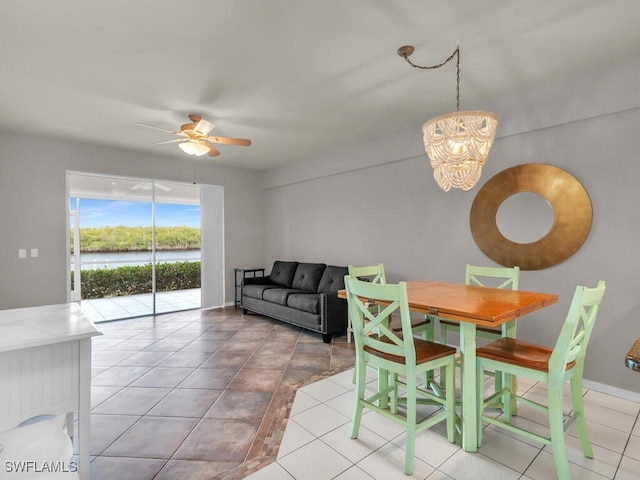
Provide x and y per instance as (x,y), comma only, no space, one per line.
(99,213)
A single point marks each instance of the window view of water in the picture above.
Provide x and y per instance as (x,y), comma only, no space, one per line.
(94,261)
(114,223)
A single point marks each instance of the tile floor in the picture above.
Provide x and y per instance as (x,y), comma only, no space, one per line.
(206,394)
(198,394)
(319,427)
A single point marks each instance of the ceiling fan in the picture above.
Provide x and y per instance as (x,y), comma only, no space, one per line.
(195,139)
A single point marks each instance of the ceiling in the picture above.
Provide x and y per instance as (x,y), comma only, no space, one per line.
(295,76)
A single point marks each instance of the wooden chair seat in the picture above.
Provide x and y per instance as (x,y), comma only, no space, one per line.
(519,353)
(425,351)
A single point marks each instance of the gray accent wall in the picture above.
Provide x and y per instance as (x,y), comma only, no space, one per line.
(376,201)
(33,209)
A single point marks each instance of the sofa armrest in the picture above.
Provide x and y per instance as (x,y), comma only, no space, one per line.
(334,313)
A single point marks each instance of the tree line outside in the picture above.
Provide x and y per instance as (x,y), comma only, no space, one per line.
(123,238)
(129,280)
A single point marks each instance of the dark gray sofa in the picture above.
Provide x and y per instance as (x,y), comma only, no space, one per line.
(303,294)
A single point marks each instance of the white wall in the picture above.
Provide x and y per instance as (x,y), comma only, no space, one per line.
(33,209)
(376,201)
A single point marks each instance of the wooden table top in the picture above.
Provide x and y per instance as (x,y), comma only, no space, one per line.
(481,305)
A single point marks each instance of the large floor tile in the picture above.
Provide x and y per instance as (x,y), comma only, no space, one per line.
(320,420)
(256,380)
(219,440)
(193,470)
(152,437)
(106,429)
(209,379)
(463,465)
(387,463)
(167,377)
(185,359)
(326,463)
(118,376)
(186,402)
(132,401)
(240,405)
(124,468)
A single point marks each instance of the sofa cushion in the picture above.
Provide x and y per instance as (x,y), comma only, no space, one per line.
(256,291)
(308,276)
(307,302)
(279,295)
(332,279)
(282,273)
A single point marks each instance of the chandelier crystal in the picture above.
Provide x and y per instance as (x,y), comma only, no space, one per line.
(457,143)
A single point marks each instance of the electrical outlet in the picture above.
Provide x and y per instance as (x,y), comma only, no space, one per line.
(22,253)
(34,253)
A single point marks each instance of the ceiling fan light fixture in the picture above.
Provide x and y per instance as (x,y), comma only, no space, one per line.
(194,147)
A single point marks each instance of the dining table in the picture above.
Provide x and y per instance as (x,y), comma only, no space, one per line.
(472,306)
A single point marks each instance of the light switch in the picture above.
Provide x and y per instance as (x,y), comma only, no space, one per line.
(22,253)
(34,252)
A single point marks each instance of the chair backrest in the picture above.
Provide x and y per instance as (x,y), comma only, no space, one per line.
(370,327)
(496,277)
(576,331)
(373,273)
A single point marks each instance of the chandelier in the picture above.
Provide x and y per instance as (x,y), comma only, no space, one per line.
(457,143)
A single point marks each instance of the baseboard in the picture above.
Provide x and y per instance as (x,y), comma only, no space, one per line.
(609,390)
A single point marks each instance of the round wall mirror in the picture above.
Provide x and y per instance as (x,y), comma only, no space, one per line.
(571,215)
(528,228)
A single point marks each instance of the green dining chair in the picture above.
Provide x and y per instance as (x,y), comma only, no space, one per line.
(373,274)
(424,325)
(496,277)
(399,354)
(564,363)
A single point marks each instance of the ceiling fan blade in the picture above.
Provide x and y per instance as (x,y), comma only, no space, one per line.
(158,128)
(204,127)
(230,141)
(213,151)
(175,140)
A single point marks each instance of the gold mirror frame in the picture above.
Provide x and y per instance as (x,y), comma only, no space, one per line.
(571,223)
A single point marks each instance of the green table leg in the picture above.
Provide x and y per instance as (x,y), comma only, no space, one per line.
(509,330)
(469,393)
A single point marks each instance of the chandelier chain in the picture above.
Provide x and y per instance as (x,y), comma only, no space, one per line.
(456,54)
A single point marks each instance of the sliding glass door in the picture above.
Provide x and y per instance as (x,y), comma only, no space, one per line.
(137,244)
(177,247)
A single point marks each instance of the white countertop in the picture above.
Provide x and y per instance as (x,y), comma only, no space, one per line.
(36,326)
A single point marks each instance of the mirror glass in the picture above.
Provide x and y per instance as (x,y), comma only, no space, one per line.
(525,217)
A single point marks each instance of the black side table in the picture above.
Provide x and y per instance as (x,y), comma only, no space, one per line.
(239,281)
